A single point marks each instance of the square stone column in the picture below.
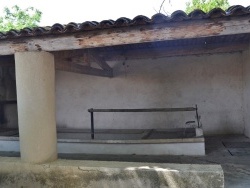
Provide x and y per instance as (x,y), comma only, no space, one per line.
(35,79)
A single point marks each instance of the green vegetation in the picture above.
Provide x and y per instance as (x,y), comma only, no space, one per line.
(206,5)
(17,18)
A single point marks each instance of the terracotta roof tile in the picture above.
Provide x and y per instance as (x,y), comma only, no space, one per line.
(40,30)
(179,15)
(140,20)
(216,13)
(176,16)
(71,27)
(238,10)
(106,24)
(88,26)
(159,18)
(57,28)
(122,22)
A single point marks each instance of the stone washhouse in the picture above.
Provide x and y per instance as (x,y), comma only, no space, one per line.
(158,86)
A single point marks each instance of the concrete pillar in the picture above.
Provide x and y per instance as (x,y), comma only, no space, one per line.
(35,79)
(246,91)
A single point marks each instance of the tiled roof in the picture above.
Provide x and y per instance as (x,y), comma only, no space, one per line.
(176,16)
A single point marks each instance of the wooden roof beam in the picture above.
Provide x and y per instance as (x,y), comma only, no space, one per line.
(160,52)
(81,69)
(175,51)
(63,65)
(101,62)
(129,35)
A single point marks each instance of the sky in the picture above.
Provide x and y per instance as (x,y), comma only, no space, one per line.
(65,11)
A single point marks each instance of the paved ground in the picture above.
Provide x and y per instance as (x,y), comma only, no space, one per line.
(232,152)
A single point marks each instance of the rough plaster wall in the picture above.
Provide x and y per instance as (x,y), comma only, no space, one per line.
(214,82)
(246,91)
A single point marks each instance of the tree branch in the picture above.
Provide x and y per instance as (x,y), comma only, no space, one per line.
(161,5)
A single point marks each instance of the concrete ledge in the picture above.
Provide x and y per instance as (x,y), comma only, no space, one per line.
(69,173)
(142,141)
(197,149)
(118,147)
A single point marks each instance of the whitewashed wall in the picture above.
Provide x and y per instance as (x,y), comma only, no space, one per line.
(213,82)
(246,91)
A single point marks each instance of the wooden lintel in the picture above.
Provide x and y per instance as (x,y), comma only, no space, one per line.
(76,68)
(129,35)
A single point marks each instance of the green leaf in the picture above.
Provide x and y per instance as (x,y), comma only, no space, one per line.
(16,18)
(206,5)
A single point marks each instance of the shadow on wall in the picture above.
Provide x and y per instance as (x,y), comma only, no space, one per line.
(213,82)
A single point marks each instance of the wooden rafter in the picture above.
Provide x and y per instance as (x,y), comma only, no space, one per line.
(101,62)
(83,59)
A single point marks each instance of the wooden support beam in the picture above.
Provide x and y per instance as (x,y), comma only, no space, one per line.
(76,68)
(101,62)
(69,58)
(73,56)
(160,52)
(129,35)
(63,65)
(174,51)
(83,57)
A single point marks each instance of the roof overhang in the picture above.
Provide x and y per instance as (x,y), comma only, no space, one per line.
(76,45)
(129,35)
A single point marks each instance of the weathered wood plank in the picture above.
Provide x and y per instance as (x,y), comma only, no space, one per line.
(101,62)
(64,65)
(76,68)
(129,35)
(82,56)
(177,51)
(146,53)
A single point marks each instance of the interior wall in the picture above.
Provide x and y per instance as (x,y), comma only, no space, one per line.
(246,91)
(213,82)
